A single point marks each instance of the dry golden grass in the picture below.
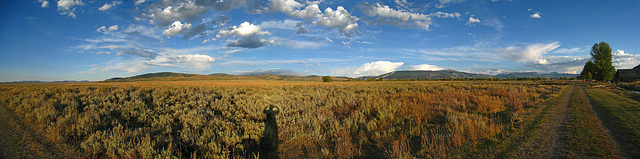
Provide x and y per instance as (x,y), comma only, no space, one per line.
(213,119)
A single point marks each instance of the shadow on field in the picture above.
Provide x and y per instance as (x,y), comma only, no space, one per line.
(269,141)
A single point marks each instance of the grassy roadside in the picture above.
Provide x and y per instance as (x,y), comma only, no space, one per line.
(19,139)
(510,140)
(625,117)
(587,137)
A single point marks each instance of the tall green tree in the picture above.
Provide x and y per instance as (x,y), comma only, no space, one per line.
(602,65)
(587,71)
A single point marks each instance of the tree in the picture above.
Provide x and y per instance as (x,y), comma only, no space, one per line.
(602,65)
(587,71)
(326,79)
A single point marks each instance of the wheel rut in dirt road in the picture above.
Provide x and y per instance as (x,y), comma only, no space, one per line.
(19,140)
(614,131)
(548,140)
(557,127)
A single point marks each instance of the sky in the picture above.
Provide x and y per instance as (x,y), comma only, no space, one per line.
(52,40)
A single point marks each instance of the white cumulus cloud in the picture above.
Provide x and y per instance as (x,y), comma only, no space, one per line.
(341,19)
(44,4)
(176,28)
(377,68)
(383,14)
(385,11)
(245,29)
(294,9)
(249,34)
(67,7)
(622,60)
(285,6)
(472,21)
(186,11)
(164,13)
(535,15)
(426,67)
(68,4)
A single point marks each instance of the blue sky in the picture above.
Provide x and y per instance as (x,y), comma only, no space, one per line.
(94,40)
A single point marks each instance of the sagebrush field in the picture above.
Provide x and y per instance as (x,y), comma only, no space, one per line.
(317,120)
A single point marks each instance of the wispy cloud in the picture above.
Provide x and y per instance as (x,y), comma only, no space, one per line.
(108,6)
(531,53)
(571,50)
(311,61)
(298,44)
(194,62)
(477,52)
(105,29)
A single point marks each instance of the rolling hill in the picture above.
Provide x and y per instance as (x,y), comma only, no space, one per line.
(427,75)
(171,76)
(395,75)
(534,74)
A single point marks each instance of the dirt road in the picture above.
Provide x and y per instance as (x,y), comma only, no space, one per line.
(550,140)
(20,140)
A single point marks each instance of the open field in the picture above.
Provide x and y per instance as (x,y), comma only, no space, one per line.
(212,119)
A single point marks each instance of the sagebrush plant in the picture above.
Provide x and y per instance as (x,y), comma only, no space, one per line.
(409,119)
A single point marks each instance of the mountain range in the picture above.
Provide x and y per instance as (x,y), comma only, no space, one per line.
(394,75)
(534,74)
(426,75)
(171,76)
(65,81)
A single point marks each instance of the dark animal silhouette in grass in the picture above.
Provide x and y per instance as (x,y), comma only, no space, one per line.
(269,142)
